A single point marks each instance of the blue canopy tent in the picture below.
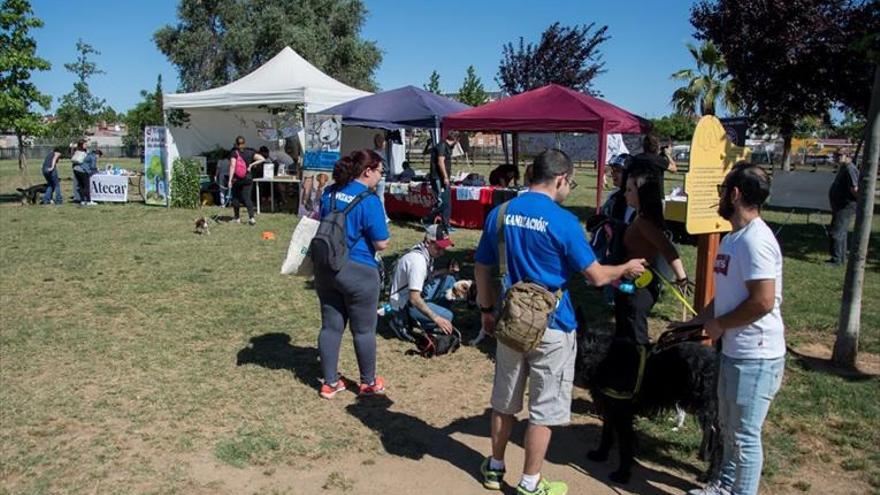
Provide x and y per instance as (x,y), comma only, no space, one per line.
(402,108)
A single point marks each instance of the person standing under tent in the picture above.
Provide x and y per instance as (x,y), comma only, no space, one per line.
(241,187)
(441,179)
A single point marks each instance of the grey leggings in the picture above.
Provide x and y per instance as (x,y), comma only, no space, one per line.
(349,296)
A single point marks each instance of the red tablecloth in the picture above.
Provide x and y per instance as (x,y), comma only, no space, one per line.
(419,198)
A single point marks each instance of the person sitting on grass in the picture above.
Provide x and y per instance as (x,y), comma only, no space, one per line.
(418,292)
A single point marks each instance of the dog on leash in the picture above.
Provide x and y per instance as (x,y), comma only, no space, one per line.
(202,226)
(31,195)
(677,372)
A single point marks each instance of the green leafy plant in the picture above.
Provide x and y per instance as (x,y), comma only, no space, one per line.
(185,183)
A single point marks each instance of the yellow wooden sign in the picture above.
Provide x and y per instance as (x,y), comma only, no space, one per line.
(712,157)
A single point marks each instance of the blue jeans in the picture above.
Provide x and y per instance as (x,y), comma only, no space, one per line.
(77,195)
(746,388)
(52,184)
(443,198)
(433,293)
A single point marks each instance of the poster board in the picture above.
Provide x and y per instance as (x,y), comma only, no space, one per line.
(713,154)
(323,141)
(156,170)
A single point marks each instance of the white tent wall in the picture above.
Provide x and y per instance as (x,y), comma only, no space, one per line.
(359,138)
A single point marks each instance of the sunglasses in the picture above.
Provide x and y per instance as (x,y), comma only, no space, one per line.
(571,183)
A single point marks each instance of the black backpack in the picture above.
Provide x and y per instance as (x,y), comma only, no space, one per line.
(329,247)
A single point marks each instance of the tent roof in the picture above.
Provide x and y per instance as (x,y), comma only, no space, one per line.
(398,108)
(285,79)
(547,109)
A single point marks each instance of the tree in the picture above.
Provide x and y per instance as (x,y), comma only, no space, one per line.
(472,92)
(846,346)
(147,112)
(217,42)
(18,59)
(79,109)
(704,86)
(676,127)
(568,56)
(779,55)
(433,83)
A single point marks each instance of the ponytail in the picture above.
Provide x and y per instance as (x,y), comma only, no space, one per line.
(350,167)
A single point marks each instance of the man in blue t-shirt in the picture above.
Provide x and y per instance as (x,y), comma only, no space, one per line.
(544,243)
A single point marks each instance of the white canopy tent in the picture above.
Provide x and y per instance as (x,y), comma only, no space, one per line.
(241,107)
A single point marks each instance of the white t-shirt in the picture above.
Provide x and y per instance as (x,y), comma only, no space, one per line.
(410,274)
(750,253)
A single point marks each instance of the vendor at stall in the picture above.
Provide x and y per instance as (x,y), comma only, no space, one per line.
(504,175)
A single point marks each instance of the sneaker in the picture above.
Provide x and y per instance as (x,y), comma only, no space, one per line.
(236,220)
(377,388)
(492,478)
(713,488)
(92,203)
(330,391)
(252,221)
(544,488)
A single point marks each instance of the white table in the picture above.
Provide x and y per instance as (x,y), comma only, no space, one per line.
(283,179)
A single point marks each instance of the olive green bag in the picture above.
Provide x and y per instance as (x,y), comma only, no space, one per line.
(526,306)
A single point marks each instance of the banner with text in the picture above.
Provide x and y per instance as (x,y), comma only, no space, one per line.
(323,141)
(109,188)
(155,166)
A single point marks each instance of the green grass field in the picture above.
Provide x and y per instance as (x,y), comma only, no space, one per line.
(120,332)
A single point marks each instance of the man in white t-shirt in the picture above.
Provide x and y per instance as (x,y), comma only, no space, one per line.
(745,315)
(418,291)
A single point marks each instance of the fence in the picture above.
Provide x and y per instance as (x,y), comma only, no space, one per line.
(39,151)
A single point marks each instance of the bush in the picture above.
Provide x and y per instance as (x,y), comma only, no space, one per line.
(185,186)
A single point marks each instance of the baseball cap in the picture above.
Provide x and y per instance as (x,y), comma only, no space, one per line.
(439,235)
(619,161)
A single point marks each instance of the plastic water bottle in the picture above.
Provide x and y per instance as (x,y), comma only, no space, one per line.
(385,309)
(625,286)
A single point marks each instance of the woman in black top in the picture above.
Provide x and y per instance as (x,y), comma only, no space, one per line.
(241,187)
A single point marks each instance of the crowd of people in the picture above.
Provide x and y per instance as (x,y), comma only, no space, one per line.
(537,245)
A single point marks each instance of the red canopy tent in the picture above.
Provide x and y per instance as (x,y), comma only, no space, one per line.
(552,108)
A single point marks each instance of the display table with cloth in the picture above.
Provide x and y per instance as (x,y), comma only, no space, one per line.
(470,205)
(281,179)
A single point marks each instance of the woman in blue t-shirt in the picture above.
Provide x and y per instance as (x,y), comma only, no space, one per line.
(352,294)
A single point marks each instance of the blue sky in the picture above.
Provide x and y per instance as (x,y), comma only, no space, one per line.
(647,43)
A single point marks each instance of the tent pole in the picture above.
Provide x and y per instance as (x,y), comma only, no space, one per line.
(515,146)
(504,147)
(600,177)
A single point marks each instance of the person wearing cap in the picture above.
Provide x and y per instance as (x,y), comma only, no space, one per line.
(417,289)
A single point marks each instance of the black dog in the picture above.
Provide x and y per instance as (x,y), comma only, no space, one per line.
(676,370)
(32,194)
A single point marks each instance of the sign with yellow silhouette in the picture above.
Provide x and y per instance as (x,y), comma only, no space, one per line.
(713,154)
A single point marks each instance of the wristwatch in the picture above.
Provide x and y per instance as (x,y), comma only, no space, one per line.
(490,309)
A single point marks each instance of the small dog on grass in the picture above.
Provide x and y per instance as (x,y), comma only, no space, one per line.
(202,226)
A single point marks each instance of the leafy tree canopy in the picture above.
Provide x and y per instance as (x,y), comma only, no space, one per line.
(472,92)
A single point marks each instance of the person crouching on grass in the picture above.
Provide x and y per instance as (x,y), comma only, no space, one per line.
(352,294)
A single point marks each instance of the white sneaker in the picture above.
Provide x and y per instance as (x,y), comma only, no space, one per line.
(713,488)
(92,203)
(252,221)
(236,220)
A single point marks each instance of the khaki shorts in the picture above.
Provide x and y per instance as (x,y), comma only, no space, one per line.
(550,372)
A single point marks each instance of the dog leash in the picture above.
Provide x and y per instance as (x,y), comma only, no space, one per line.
(675,290)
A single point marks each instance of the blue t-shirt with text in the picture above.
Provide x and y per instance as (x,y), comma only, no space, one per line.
(364,224)
(544,243)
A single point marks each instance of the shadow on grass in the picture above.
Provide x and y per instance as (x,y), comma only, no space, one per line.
(10,198)
(274,351)
(822,365)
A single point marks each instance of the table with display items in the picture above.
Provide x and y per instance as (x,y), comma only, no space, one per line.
(470,204)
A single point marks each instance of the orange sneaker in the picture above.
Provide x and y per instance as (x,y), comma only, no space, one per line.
(377,388)
(330,391)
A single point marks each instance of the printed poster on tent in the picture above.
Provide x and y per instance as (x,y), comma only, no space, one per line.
(155,166)
(323,141)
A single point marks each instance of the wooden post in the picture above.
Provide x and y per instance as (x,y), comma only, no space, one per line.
(707,248)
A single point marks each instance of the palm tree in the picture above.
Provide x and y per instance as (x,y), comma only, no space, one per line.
(705,85)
